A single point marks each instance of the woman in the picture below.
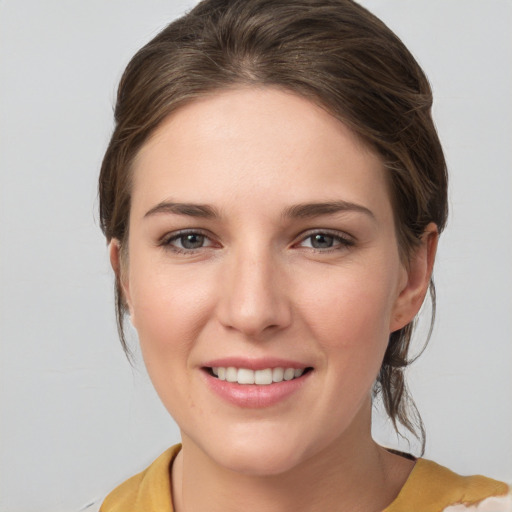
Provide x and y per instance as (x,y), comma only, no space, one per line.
(273,195)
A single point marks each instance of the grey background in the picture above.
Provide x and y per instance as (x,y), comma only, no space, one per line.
(76,419)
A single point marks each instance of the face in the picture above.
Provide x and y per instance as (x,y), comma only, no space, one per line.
(263,276)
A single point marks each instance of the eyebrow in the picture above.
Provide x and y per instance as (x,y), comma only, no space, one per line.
(308,210)
(302,210)
(204,211)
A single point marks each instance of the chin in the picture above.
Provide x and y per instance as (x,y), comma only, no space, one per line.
(259,462)
(259,455)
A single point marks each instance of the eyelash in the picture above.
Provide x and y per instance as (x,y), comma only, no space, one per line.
(167,240)
(342,241)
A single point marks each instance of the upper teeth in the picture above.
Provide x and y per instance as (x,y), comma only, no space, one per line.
(262,377)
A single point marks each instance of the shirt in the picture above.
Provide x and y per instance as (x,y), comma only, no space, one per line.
(429,488)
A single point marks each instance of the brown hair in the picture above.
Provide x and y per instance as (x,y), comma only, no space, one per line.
(333,52)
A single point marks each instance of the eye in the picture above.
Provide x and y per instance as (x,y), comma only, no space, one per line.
(324,240)
(321,241)
(190,241)
(186,241)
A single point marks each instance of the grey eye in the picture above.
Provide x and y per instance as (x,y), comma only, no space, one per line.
(321,241)
(192,241)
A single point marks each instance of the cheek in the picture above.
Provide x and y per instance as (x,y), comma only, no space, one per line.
(349,310)
(170,308)
(349,316)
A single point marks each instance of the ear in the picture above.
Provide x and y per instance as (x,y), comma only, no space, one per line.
(416,280)
(118,266)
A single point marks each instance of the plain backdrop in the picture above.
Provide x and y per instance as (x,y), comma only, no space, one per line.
(76,419)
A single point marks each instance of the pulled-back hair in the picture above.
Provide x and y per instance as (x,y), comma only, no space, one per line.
(333,52)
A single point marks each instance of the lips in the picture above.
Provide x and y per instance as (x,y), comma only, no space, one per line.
(255,383)
(262,377)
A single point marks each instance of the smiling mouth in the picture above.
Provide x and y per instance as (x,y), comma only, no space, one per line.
(263,377)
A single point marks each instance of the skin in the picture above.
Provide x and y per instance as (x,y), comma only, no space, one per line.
(258,287)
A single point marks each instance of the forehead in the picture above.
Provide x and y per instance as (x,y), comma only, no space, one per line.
(250,143)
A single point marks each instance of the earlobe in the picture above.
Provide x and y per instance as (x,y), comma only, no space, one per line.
(418,274)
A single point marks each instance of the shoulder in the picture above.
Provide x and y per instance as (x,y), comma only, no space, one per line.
(148,490)
(434,488)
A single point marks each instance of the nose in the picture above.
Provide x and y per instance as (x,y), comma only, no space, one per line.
(253,297)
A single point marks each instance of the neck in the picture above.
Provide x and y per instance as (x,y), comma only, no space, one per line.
(352,474)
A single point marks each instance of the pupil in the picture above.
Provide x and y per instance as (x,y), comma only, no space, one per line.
(322,241)
(192,241)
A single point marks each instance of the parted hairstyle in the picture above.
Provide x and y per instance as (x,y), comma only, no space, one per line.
(334,53)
